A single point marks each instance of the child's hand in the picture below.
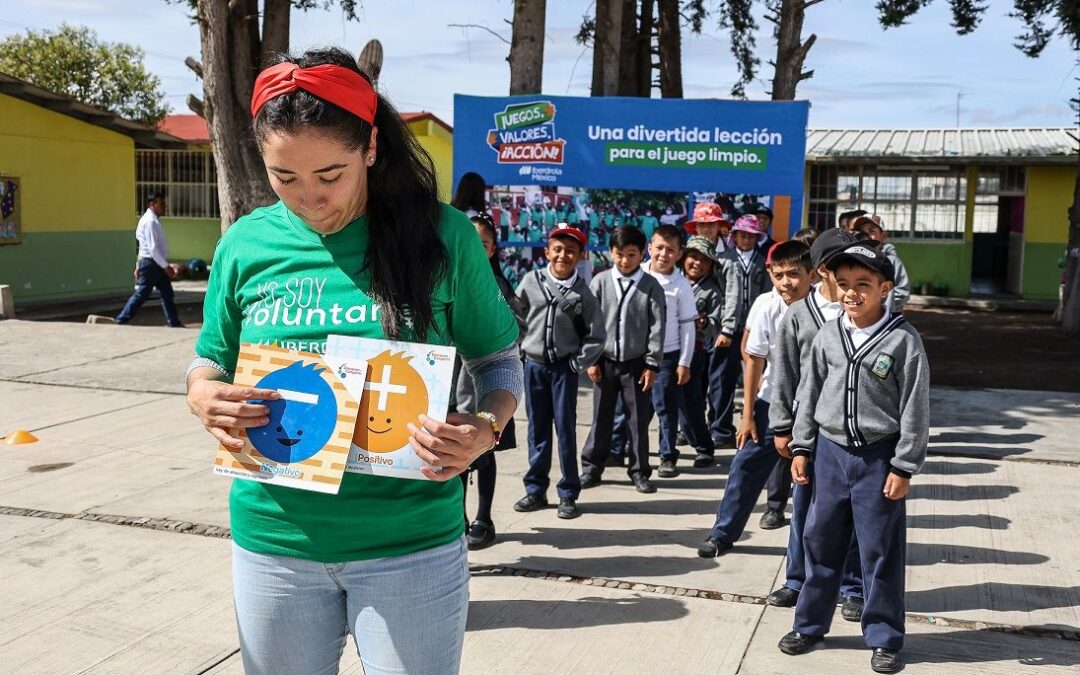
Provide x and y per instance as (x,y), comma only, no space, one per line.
(594,374)
(682,375)
(723,341)
(699,322)
(800,470)
(648,376)
(782,443)
(747,429)
(896,487)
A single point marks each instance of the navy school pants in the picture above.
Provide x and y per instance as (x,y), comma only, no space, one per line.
(665,400)
(551,396)
(619,379)
(725,370)
(850,582)
(847,497)
(692,398)
(750,469)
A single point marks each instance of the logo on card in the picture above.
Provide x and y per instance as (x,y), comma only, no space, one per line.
(882,365)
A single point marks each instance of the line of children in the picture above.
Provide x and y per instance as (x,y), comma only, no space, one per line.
(564,336)
(633,306)
(789,270)
(864,425)
(665,250)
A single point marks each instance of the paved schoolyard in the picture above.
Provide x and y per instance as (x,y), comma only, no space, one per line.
(116,557)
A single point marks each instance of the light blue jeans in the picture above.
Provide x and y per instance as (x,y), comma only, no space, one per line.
(407,614)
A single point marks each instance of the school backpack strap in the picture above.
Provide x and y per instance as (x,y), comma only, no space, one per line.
(568,300)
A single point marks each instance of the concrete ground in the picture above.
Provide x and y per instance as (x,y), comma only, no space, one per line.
(116,553)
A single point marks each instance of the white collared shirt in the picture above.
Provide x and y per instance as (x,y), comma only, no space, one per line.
(762,329)
(681,311)
(151,237)
(567,283)
(861,335)
(745,255)
(829,309)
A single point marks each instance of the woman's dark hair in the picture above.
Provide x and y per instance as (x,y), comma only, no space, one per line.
(406,257)
(484,220)
(470,193)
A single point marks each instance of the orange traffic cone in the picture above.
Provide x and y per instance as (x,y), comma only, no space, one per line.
(19,436)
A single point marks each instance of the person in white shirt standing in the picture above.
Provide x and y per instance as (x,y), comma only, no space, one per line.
(151,268)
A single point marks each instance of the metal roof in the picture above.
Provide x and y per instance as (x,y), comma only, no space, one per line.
(145,136)
(1046,145)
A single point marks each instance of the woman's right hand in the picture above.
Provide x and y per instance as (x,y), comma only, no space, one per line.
(222,407)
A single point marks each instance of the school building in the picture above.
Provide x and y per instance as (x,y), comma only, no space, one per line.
(67,183)
(188,177)
(971,211)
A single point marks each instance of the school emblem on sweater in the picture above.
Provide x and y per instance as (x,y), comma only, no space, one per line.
(882,365)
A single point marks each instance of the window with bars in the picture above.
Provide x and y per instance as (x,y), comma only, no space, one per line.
(187,177)
(925,203)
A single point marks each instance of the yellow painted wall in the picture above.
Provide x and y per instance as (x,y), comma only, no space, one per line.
(1049,196)
(73,175)
(439,143)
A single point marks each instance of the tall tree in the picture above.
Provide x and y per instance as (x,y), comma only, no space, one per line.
(236,40)
(1041,20)
(72,61)
(527,47)
(791,49)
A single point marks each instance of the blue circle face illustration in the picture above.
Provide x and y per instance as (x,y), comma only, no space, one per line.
(301,421)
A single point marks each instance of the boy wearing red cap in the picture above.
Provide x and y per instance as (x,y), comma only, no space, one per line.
(564,336)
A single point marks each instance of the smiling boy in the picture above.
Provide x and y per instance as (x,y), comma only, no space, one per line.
(865,425)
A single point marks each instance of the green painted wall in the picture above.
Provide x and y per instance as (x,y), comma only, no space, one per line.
(49,266)
(1041,275)
(937,264)
(191,237)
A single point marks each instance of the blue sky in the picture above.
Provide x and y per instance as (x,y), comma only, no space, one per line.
(865,77)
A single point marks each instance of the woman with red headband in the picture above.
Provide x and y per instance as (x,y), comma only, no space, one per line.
(358,245)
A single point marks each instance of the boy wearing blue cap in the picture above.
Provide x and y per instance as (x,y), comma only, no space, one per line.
(866,433)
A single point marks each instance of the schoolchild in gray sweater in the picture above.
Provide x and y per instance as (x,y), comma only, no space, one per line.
(564,335)
(698,264)
(874,227)
(865,423)
(634,313)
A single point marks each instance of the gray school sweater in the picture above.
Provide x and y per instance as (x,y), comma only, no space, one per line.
(750,282)
(569,324)
(726,275)
(901,291)
(634,324)
(856,397)
(791,358)
(709,299)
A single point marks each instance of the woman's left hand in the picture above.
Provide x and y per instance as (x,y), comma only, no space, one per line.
(449,447)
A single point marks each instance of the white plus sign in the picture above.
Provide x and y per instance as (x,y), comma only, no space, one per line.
(385,388)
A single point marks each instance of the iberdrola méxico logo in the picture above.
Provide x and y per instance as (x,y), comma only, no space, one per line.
(524,133)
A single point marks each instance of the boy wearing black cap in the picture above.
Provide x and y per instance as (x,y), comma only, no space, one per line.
(796,335)
(874,227)
(564,336)
(866,433)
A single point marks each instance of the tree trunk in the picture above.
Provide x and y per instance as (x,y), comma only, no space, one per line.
(670,50)
(644,49)
(1070,307)
(229,59)
(790,49)
(527,47)
(607,43)
(628,42)
(275,29)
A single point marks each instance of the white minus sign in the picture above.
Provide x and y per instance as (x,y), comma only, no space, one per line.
(298,396)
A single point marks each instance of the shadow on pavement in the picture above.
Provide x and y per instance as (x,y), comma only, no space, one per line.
(947,522)
(659,506)
(568,538)
(558,614)
(943,468)
(948,554)
(995,596)
(984,438)
(974,646)
(629,566)
(961,493)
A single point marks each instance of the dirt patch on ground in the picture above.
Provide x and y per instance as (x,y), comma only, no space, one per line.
(1001,350)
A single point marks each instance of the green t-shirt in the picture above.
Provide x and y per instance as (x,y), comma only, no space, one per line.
(274,280)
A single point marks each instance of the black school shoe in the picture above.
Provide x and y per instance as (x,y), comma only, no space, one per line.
(703,461)
(783,597)
(886,661)
(710,548)
(772,520)
(568,509)
(794,643)
(667,469)
(588,480)
(851,608)
(530,503)
(480,535)
(641,484)
(680,439)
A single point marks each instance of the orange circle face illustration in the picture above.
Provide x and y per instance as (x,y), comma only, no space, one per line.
(394,395)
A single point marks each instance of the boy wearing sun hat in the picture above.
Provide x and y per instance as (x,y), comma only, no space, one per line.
(866,432)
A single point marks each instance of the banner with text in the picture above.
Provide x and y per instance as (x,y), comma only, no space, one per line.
(635,144)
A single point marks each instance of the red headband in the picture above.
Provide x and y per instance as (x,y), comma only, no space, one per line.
(344,88)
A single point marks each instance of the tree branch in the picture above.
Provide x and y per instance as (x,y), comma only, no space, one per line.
(473,25)
(194,65)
